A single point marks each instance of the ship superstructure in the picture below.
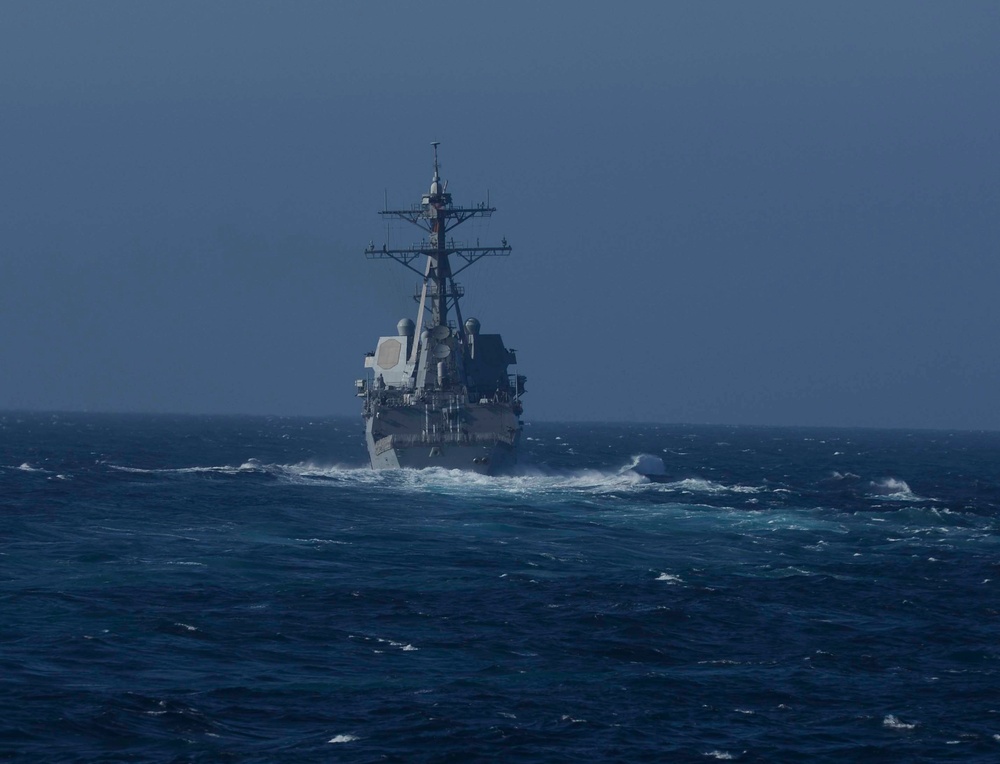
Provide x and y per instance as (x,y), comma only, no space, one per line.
(439,393)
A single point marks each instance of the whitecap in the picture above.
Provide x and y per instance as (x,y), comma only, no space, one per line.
(526,480)
(227,469)
(836,475)
(406,648)
(647,464)
(894,723)
(722,755)
(342,739)
(322,541)
(893,489)
(670,578)
(700,485)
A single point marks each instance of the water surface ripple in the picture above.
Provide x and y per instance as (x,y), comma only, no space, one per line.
(243,589)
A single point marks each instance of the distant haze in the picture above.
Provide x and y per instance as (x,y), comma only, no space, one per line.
(746,213)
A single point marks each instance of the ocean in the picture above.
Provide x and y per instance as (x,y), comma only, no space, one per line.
(244,589)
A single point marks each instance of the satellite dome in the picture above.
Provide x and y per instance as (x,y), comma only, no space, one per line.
(405,327)
(472,326)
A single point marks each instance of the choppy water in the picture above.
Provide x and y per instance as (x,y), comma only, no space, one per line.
(242,589)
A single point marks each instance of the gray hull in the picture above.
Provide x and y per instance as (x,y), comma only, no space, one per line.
(489,450)
(439,393)
(485,460)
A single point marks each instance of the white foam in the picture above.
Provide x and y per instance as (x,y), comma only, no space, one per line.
(342,739)
(647,464)
(406,648)
(670,578)
(722,755)
(526,479)
(894,723)
(25,467)
(835,475)
(700,485)
(893,489)
(225,469)
(323,541)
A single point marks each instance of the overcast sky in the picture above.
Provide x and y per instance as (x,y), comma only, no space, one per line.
(745,213)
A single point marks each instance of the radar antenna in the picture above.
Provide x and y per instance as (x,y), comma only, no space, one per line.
(439,294)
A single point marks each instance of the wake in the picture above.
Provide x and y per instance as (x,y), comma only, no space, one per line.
(641,473)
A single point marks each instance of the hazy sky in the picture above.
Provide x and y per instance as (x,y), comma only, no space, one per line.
(747,213)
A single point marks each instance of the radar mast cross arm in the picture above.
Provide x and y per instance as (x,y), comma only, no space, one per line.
(407,255)
(436,215)
(421,216)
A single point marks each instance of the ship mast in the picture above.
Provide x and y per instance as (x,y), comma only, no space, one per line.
(439,293)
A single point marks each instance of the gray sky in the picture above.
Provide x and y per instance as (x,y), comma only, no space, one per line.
(748,213)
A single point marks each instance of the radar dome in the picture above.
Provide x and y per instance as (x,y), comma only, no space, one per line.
(405,327)
(472,326)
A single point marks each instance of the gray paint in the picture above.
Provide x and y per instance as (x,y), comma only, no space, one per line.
(449,401)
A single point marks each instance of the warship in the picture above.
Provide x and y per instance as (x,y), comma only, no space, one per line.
(438,392)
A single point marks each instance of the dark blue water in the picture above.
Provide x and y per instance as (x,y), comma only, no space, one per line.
(242,589)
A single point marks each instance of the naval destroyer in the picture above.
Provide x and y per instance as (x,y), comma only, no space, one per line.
(439,392)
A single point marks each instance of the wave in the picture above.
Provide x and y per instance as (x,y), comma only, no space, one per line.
(835,475)
(225,469)
(647,464)
(251,465)
(342,739)
(895,723)
(893,489)
(642,473)
(527,479)
(700,485)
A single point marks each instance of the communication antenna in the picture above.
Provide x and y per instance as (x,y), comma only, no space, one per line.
(445,258)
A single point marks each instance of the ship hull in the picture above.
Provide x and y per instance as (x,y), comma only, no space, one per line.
(399,443)
(485,460)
